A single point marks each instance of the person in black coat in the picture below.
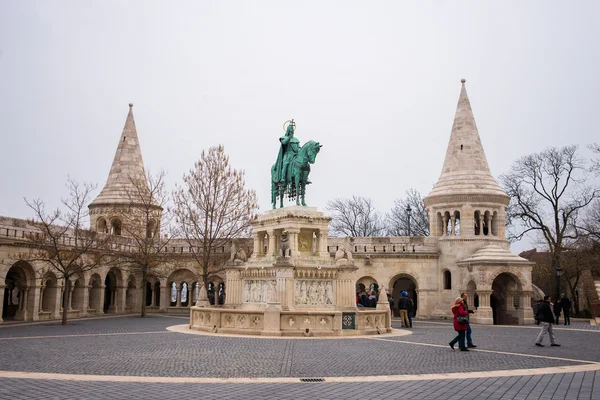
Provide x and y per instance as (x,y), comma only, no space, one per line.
(557,308)
(546,318)
(566,308)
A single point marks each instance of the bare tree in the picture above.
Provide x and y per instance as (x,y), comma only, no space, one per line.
(143,251)
(211,208)
(63,243)
(548,190)
(397,220)
(355,217)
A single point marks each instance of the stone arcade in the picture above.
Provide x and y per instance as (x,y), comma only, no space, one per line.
(296,278)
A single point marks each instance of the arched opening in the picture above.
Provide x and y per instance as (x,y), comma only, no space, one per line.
(456,223)
(157,294)
(221,293)
(16,292)
(447,280)
(174,294)
(101,225)
(78,295)
(148,294)
(504,299)
(447,224)
(486,223)
(367,287)
(210,292)
(472,297)
(184,294)
(110,291)
(130,293)
(49,297)
(115,226)
(151,229)
(477,223)
(95,294)
(440,225)
(404,283)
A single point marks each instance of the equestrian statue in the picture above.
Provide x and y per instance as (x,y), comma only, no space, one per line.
(289,174)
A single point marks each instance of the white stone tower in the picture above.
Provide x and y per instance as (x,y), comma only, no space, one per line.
(467,213)
(117,202)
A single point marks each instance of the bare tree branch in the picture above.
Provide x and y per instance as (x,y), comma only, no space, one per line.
(397,219)
(355,217)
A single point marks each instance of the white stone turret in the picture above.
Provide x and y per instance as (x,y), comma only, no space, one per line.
(113,205)
(466,200)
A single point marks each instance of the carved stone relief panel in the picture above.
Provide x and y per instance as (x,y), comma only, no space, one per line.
(313,292)
(259,291)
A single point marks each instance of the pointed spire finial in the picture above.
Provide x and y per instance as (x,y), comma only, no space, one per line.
(130,105)
(463,80)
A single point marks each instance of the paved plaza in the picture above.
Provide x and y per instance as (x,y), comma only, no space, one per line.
(130,357)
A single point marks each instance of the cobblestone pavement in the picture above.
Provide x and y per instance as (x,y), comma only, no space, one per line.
(131,346)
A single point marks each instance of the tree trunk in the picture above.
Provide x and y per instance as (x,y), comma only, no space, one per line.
(144,283)
(66,301)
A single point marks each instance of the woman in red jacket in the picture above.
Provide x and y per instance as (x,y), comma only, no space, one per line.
(459,309)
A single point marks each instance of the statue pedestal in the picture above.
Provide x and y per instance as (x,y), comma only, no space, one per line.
(292,286)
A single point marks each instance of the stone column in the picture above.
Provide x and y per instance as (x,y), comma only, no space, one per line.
(165,299)
(452,224)
(57,303)
(42,287)
(293,240)
(256,244)
(271,249)
(85,303)
(101,305)
(490,227)
(179,290)
(445,227)
(484,312)
(2,287)
(70,301)
(322,244)
(35,301)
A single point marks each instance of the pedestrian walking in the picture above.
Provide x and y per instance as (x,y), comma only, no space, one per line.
(466,306)
(557,307)
(566,308)
(546,319)
(460,324)
(404,304)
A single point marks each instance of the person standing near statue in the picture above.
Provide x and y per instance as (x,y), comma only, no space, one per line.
(287,151)
(566,308)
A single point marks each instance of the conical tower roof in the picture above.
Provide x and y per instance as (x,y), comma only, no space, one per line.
(465,169)
(127,163)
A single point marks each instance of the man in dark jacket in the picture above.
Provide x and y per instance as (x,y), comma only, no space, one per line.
(546,319)
(566,308)
(404,304)
(557,308)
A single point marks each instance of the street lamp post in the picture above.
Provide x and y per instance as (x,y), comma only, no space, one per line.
(408,212)
(559,273)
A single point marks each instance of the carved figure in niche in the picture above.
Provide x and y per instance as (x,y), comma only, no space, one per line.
(273,292)
(345,250)
(328,293)
(302,299)
(254,292)
(238,255)
(246,291)
(265,291)
(368,260)
(303,243)
(284,245)
(312,293)
(320,293)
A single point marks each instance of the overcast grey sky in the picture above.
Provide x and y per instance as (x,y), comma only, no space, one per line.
(376,82)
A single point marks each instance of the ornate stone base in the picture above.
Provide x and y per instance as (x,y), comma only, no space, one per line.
(273,322)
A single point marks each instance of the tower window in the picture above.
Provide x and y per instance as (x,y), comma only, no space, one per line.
(461,146)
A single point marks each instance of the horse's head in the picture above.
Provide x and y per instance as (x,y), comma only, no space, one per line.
(312,149)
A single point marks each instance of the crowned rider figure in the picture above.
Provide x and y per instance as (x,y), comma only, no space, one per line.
(288,149)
